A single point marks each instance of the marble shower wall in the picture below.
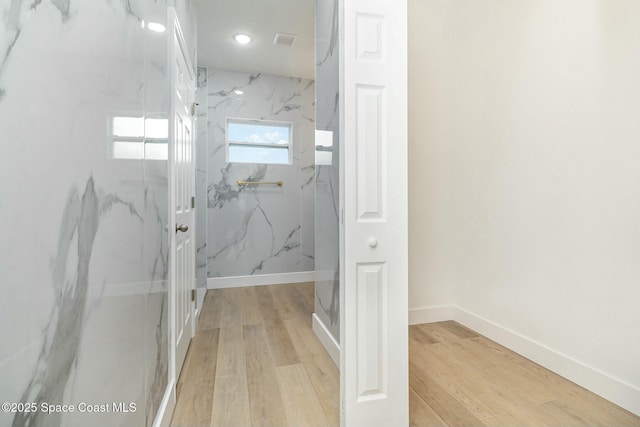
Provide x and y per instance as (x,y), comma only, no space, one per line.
(260,229)
(327,248)
(201,184)
(83,265)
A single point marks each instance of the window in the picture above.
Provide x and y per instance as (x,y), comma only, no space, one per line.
(140,138)
(324,147)
(258,141)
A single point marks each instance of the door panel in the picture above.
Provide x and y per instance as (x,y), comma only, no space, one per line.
(182,172)
(374,352)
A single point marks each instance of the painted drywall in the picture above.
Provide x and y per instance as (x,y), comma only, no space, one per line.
(525,184)
(84,265)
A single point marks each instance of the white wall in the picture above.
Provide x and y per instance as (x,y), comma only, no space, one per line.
(525,170)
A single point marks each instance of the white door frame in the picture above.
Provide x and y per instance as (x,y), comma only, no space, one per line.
(175,32)
(168,403)
(374,377)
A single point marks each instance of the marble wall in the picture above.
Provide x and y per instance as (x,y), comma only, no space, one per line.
(201,184)
(260,229)
(327,248)
(83,265)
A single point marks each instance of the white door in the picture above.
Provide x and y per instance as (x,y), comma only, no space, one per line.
(374,343)
(182,182)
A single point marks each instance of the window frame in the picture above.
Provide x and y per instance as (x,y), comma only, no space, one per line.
(246,121)
(143,139)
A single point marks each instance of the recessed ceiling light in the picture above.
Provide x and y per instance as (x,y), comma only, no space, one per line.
(154,26)
(242,38)
(238,92)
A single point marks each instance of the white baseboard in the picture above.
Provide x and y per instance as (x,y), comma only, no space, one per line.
(168,404)
(200,292)
(439,313)
(260,280)
(612,389)
(326,339)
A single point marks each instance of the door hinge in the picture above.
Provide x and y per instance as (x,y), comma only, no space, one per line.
(193,294)
(193,202)
(193,108)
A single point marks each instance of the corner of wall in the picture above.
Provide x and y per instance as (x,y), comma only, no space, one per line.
(432,314)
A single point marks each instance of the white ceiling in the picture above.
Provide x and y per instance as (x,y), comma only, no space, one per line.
(220,20)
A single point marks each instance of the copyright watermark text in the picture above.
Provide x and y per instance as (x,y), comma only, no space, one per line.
(82,407)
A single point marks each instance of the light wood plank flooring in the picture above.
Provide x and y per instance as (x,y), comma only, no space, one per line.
(256,362)
(460,378)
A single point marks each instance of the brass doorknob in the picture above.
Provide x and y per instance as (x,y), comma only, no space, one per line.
(184,228)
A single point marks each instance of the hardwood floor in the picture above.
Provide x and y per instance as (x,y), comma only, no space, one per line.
(460,378)
(256,362)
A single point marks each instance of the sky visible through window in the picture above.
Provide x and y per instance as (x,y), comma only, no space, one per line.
(258,134)
(253,154)
(243,135)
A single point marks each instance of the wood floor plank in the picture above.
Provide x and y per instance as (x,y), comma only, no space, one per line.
(279,341)
(247,301)
(590,411)
(458,330)
(466,386)
(196,398)
(265,399)
(510,420)
(301,403)
(184,370)
(471,374)
(211,310)
(474,387)
(322,372)
(421,414)
(503,376)
(231,402)
(587,399)
(420,336)
(438,333)
(306,292)
(282,299)
(301,302)
(231,348)
(450,410)
(513,373)
(551,379)
(231,351)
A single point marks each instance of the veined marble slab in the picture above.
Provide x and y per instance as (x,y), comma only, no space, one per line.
(260,229)
(327,204)
(84,264)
